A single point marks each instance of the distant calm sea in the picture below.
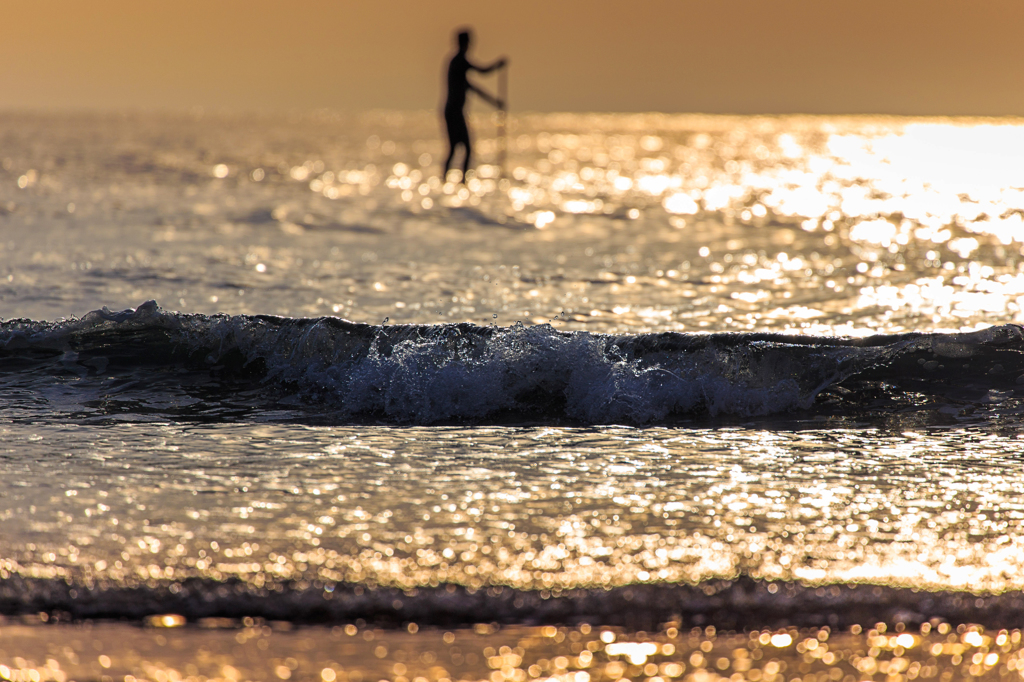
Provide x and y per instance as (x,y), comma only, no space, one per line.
(271,383)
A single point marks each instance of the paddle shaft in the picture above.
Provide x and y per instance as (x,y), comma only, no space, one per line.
(502,116)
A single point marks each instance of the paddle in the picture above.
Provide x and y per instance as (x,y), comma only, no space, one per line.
(502,116)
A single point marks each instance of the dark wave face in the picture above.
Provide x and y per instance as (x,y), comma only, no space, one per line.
(730,604)
(149,362)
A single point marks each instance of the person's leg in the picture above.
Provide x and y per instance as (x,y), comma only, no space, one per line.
(458,134)
(455,124)
(451,155)
(465,161)
(449,129)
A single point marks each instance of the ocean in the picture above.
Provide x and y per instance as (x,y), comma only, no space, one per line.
(655,397)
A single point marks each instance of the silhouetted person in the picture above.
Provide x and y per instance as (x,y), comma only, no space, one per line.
(454,107)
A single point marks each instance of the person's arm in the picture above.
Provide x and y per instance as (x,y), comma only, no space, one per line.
(487,69)
(494,101)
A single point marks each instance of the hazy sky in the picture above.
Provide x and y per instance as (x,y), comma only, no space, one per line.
(743,56)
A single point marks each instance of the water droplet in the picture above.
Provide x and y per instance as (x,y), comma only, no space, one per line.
(495,315)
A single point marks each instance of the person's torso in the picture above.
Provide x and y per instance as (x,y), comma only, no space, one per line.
(458,84)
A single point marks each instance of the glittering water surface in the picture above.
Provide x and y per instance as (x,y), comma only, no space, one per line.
(226,651)
(639,222)
(621,224)
(570,508)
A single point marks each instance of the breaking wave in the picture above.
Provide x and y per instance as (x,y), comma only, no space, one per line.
(149,359)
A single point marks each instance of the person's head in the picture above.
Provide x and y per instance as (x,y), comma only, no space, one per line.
(462,38)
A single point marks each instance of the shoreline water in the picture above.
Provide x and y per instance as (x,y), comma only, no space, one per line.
(753,354)
(276,651)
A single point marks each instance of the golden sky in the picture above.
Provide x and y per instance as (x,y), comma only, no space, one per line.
(729,56)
